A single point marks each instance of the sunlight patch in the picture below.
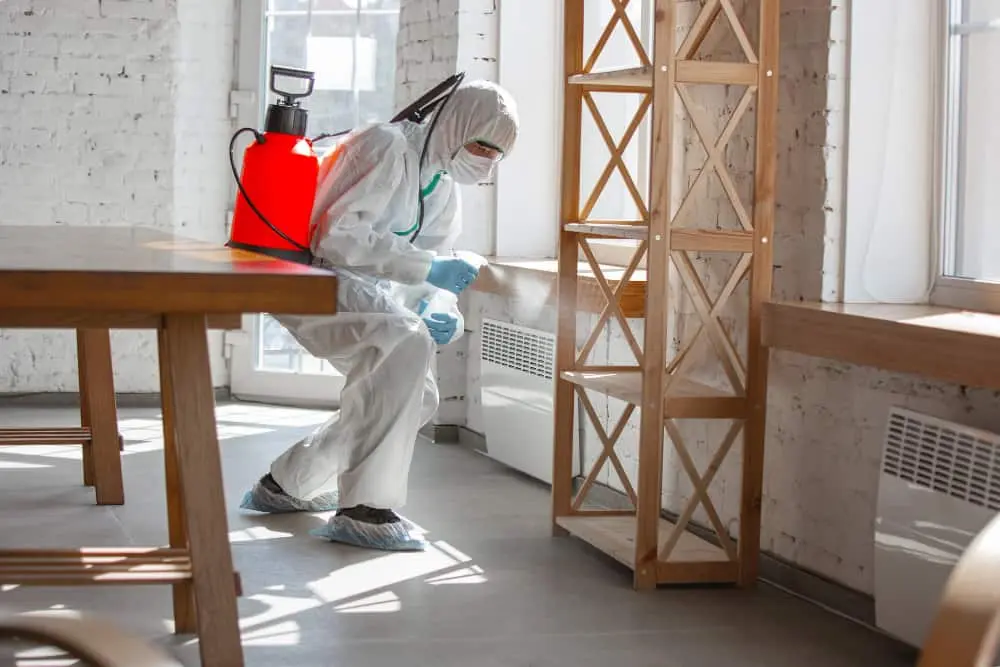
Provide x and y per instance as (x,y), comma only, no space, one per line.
(256,533)
(286,633)
(381,572)
(277,607)
(14,465)
(467,575)
(270,415)
(380,603)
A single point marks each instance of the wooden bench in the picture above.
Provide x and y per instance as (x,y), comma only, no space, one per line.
(102,278)
(98,431)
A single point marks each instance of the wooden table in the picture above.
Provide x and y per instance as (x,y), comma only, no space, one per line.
(136,278)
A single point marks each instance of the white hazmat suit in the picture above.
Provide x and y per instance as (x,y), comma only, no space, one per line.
(366,213)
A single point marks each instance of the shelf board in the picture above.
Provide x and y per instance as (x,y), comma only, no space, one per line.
(686,399)
(687,71)
(695,240)
(609,230)
(630,77)
(692,560)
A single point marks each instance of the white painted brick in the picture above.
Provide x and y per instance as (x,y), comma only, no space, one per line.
(70,213)
(91,94)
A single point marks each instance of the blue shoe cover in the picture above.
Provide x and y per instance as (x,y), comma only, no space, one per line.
(397,536)
(262,499)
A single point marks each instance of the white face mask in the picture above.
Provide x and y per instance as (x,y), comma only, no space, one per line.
(468,168)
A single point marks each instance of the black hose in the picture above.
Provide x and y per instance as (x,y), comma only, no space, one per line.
(328,135)
(454,82)
(232,163)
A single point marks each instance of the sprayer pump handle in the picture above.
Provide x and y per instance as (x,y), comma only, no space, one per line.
(294,73)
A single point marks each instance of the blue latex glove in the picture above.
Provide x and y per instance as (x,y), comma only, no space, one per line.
(442,327)
(452,274)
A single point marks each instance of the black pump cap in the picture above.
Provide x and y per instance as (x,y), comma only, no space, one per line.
(286,116)
(286,119)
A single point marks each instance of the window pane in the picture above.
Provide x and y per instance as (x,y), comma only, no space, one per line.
(982,10)
(352,50)
(976,189)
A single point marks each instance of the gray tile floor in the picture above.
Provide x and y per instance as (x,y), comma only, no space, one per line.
(496,589)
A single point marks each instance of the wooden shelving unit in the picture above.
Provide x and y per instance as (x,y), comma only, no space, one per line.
(658,389)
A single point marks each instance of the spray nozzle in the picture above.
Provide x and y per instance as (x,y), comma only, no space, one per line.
(290,98)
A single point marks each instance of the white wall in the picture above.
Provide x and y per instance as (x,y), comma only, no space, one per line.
(114,112)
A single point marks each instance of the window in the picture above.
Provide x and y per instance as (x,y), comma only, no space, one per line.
(350,45)
(969,271)
(528,183)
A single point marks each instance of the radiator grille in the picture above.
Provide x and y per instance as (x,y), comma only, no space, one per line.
(525,350)
(949,458)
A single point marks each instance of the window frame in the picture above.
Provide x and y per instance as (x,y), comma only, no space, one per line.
(949,290)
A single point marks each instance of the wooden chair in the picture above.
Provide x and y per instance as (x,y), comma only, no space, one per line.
(967,626)
(98,430)
(93,641)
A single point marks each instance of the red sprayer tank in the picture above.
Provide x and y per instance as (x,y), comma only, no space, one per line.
(277,185)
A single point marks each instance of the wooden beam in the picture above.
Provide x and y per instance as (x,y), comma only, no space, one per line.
(650,449)
(71,318)
(956,346)
(565,288)
(761,277)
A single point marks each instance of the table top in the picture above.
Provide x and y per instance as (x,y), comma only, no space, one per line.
(147,270)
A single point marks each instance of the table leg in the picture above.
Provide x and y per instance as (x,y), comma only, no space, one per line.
(200,474)
(185,620)
(103,463)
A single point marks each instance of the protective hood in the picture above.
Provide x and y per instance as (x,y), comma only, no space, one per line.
(478,110)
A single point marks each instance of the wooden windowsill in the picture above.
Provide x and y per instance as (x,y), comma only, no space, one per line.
(961,347)
(536,280)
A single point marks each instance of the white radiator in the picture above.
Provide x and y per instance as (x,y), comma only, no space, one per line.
(940,486)
(518,383)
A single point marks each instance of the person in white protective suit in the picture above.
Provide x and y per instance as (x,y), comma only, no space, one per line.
(390,259)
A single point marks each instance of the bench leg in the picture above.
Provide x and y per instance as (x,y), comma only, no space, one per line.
(199,468)
(102,464)
(81,373)
(185,619)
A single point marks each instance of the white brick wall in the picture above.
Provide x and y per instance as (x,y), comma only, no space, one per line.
(427,46)
(114,113)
